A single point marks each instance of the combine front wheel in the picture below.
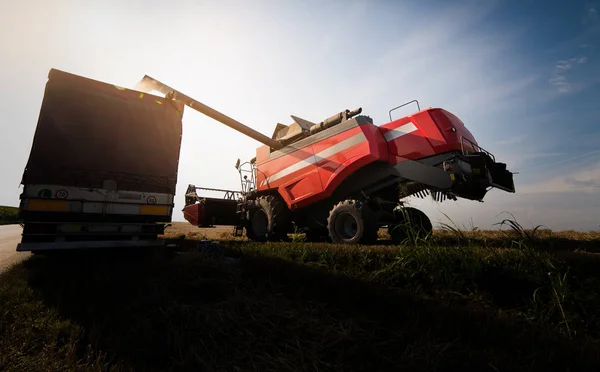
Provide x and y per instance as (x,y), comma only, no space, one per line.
(410,222)
(269,221)
(351,222)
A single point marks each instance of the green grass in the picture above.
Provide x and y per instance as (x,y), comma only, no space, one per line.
(9,215)
(484,301)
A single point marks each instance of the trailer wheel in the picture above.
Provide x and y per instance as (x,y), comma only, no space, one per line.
(269,221)
(410,222)
(351,222)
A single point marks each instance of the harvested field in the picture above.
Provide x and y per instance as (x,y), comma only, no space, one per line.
(485,301)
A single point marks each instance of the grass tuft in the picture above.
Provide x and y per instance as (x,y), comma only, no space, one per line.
(458,300)
(519,232)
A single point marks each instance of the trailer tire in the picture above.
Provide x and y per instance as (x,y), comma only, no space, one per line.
(412,223)
(352,222)
(268,222)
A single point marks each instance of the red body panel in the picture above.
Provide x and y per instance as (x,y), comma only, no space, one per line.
(446,121)
(425,133)
(194,214)
(409,138)
(310,173)
(334,170)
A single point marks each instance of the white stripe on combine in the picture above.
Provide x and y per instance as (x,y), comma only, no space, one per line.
(400,131)
(330,151)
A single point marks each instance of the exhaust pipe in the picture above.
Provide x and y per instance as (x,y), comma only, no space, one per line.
(334,120)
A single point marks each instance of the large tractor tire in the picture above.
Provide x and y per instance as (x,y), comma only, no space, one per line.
(352,222)
(410,223)
(269,222)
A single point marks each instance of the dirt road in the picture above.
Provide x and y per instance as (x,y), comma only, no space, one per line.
(10,235)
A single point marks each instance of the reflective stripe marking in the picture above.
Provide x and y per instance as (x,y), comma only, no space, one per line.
(154,210)
(330,151)
(47,205)
(96,195)
(400,131)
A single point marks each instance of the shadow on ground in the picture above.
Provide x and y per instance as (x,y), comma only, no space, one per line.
(189,311)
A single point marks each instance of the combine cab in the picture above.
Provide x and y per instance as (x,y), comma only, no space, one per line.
(343,178)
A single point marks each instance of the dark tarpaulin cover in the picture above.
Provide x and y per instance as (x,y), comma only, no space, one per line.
(89,131)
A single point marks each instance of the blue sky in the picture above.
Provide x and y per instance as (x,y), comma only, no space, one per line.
(524,76)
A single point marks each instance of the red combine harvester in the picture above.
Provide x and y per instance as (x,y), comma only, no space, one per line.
(344,178)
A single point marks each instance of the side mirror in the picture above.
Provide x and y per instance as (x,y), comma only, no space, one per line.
(237,164)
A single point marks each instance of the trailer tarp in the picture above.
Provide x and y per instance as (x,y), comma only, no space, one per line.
(90,131)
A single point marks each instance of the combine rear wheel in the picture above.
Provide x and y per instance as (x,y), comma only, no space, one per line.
(410,223)
(269,222)
(352,222)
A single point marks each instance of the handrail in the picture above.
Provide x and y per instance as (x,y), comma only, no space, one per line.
(473,145)
(395,108)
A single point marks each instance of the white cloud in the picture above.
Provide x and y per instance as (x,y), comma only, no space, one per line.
(522,156)
(592,14)
(588,180)
(561,77)
(447,65)
(565,65)
(577,210)
(565,160)
(585,180)
(512,140)
(589,183)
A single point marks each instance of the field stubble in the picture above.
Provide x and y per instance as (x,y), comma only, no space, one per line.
(462,299)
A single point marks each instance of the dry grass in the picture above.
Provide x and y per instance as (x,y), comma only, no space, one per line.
(485,301)
(187,231)
(9,215)
(505,237)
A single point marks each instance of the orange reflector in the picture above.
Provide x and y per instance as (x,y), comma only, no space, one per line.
(154,210)
(47,205)
(159,102)
(70,228)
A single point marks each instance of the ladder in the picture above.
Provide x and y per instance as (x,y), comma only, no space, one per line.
(238,229)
